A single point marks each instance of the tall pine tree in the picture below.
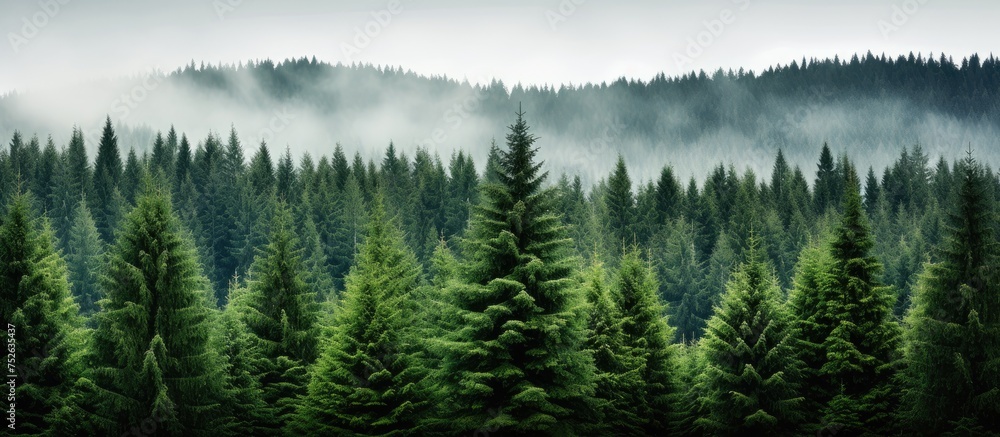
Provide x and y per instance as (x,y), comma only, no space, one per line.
(517,364)
(953,345)
(150,363)
(647,335)
(750,384)
(42,323)
(280,312)
(369,380)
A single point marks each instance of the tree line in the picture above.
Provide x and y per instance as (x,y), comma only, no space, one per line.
(190,291)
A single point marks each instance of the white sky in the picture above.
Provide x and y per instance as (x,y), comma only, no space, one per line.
(531,42)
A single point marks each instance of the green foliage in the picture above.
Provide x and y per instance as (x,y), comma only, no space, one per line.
(682,283)
(369,379)
(107,175)
(618,367)
(952,379)
(516,365)
(150,363)
(84,255)
(280,312)
(850,339)
(750,383)
(41,318)
(621,206)
(647,335)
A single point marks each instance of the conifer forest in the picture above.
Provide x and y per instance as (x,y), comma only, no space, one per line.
(535,272)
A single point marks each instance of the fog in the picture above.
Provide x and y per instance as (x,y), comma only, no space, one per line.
(312,107)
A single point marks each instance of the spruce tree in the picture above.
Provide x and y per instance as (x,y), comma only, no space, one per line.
(647,335)
(280,312)
(84,253)
(150,360)
(862,346)
(244,399)
(669,197)
(850,339)
(683,280)
(621,205)
(369,378)
(107,176)
(462,193)
(38,310)
(131,176)
(43,182)
(517,365)
(285,178)
(751,377)
(618,378)
(952,377)
(811,322)
(826,180)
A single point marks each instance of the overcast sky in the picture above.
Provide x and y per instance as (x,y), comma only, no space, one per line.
(538,41)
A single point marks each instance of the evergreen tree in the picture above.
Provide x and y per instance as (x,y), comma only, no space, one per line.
(280,313)
(161,160)
(285,185)
(751,374)
(669,197)
(261,171)
(182,169)
(872,192)
(107,176)
(682,283)
(368,380)
(244,400)
(316,265)
(781,177)
(826,180)
(647,335)
(952,378)
(517,365)
(42,331)
(131,177)
(341,170)
(849,336)
(72,181)
(150,363)
(44,181)
(621,205)
(84,252)
(462,193)
(618,369)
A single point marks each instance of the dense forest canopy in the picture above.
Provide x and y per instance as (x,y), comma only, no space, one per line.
(179,282)
(867,106)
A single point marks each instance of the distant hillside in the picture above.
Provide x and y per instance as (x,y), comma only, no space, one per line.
(867,106)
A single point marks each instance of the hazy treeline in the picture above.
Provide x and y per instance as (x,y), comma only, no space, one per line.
(867,105)
(187,290)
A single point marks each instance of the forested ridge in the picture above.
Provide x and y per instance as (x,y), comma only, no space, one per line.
(867,105)
(207,286)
